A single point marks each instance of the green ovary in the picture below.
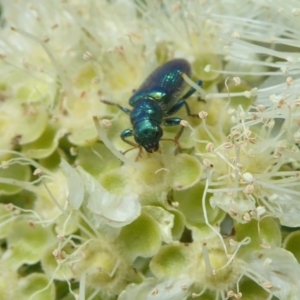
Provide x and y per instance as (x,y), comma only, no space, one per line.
(223,277)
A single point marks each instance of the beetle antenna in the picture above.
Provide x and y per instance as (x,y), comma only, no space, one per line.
(139,154)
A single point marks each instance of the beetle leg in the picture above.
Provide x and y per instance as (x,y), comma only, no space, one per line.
(171,121)
(192,90)
(182,102)
(188,110)
(127,133)
(174,122)
(124,109)
(175,108)
(124,135)
(178,105)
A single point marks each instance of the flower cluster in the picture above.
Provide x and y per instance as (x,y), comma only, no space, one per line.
(80,220)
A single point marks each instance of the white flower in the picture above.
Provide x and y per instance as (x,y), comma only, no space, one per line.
(277,270)
(113,210)
(241,158)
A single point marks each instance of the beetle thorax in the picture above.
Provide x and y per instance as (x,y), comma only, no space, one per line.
(146,109)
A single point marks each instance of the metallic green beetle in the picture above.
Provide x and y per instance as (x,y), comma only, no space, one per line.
(154,102)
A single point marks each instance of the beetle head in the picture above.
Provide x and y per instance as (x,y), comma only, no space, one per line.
(148,135)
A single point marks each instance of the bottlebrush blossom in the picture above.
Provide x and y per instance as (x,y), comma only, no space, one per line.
(81,220)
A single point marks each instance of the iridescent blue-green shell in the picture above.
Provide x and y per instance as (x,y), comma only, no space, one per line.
(164,84)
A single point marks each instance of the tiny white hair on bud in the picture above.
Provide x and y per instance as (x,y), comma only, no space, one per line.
(236,80)
(265,245)
(242,115)
(226,49)
(260,108)
(260,210)
(249,189)
(4,165)
(45,39)
(273,98)
(233,119)
(17,212)
(271,124)
(247,217)
(239,165)
(297,103)
(289,81)
(235,133)
(184,287)
(37,172)
(281,148)
(272,39)
(87,55)
(106,123)
(9,207)
(154,292)
(267,285)
(296,12)
(277,154)
(207,68)
(230,294)
(248,177)
(73,151)
(175,204)
(254,92)
(284,70)
(60,237)
(99,269)
(290,60)
(184,123)
(247,94)
(203,114)
(227,145)
(236,35)
(233,242)
(53,26)
(62,132)
(233,212)
(55,252)
(207,164)
(241,144)
(161,169)
(210,147)
(267,262)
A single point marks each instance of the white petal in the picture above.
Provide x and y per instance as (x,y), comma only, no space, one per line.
(111,209)
(75,185)
(236,207)
(281,269)
(152,289)
(289,209)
